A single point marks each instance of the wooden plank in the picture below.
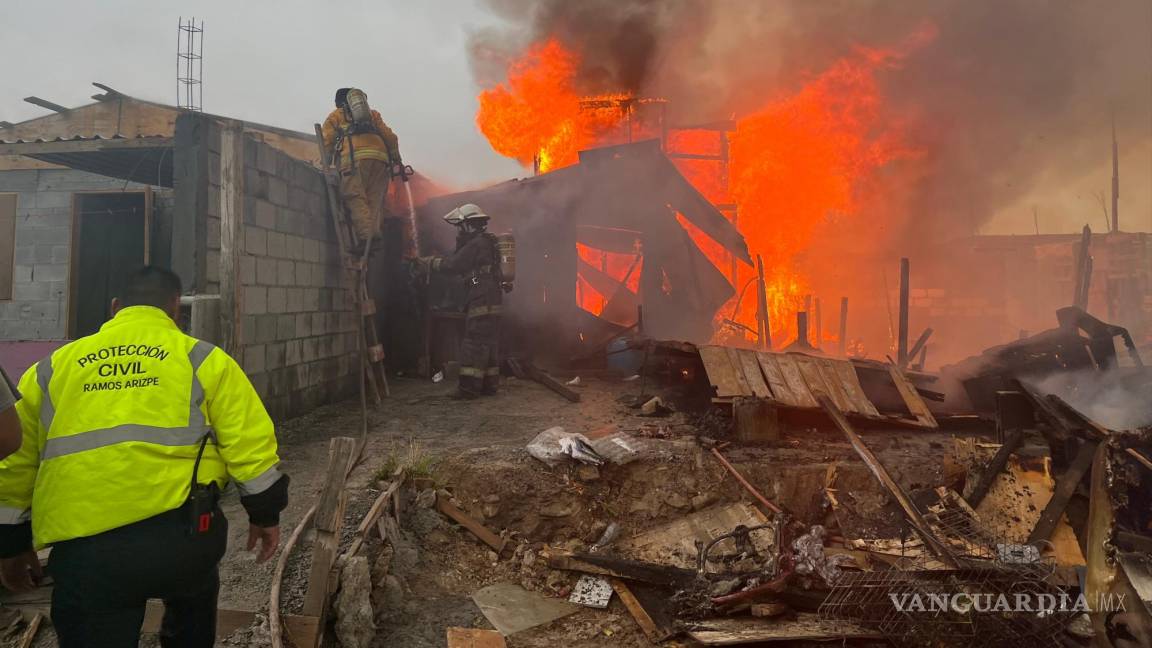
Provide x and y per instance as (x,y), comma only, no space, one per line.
(231,236)
(752,375)
(303,630)
(755,420)
(7,245)
(1065,487)
(30,632)
(479,530)
(810,371)
(327,521)
(911,398)
(633,570)
(994,468)
(792,377)
(738,371)
(916,520)
(851,384)
(781,392)
(543,378)
(475,638)
(377,508)
(720,372)
(805,627)
(656,626)
(835,389)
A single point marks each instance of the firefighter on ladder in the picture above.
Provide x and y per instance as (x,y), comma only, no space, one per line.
(129,435)
(478,260)
(366,152)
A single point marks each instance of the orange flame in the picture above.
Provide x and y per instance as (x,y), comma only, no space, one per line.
(797,165)
(536,117)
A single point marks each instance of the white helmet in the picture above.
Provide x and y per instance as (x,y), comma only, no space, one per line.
(465,213)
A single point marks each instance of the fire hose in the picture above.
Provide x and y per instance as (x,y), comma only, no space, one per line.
(405,172)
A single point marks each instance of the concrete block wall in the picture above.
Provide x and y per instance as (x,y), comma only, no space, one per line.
(38,309)
(298,329)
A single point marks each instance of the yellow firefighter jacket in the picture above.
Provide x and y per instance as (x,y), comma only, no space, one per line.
(113,422)
(344,148)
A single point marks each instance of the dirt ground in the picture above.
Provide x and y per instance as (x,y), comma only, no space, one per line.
(477,451)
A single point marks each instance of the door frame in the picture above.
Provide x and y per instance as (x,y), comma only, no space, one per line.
(74,245)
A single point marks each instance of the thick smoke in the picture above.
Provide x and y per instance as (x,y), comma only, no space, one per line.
(1008,92)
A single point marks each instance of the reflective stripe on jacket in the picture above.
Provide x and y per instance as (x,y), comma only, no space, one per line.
(113,422)
(381,145)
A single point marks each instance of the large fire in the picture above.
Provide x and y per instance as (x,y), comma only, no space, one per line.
(796,165)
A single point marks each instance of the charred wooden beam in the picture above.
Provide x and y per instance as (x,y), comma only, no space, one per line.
(637,570)
(44,103)
(902,335)
(843,326)
(995,467)
(1065,487)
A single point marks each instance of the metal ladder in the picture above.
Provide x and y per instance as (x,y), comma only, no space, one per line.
(371,351)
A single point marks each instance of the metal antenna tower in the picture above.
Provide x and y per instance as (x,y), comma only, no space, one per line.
(190,65)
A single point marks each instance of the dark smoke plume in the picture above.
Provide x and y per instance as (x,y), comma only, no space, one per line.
(1008,91)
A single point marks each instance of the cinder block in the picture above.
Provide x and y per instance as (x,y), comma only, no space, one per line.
(274,356)
(34,291)
(277,191)
(265,214)
(61,201)
(213,207)
(255,183)
(253,362)
(294,247)
(265,328)
(311,299)
(277,300)
(256,240)
(266,271)
(292,352)
(276,245)
(255,300)
(285,327)
(310,349)
(266,158)
(303,325)
(213,227)
(286,273)
(60,254)
(295,299)
(247,270)
(47,236)
(22,274)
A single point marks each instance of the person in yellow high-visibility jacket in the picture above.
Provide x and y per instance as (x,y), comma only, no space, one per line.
(129,436)
(365,156)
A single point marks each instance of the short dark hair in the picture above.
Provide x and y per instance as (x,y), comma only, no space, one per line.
(151,286)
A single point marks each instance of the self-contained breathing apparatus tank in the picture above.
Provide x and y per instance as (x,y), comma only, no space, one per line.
(506,249)
(359,111)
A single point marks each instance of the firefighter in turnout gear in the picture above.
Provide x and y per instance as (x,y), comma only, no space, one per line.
(129,436)
(477,260)
(365,151)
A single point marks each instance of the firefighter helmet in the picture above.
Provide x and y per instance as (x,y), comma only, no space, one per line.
(464,214)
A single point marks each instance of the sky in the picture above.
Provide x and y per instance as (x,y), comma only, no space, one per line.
(277,63)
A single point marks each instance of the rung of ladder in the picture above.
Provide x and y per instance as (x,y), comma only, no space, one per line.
(368,307)
(376,353)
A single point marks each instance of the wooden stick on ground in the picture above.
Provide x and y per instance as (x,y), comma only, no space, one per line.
(30,632)
(373,513)
(938,548)
(744,482)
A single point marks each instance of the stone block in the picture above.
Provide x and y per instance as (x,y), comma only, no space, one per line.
(274,355)
(266,271)
(248,270)
(292,352)
(277,191)
(33,291)
(277,247)
(255,300)
(277,300)
(254,355)
(294,247)
(256,240)
(303,325)
(286,273)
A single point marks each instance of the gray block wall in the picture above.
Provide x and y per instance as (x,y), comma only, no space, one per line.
(298,329)
(38,309)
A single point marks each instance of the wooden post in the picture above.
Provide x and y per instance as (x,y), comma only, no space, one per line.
(920,342)
(755,420)
(1081,280)
(231,236)
(902,334)
(762,292)
(802,329)
(327,521)
(819,330)
(843,326)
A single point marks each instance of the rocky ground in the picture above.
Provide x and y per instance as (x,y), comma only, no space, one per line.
(475,452)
